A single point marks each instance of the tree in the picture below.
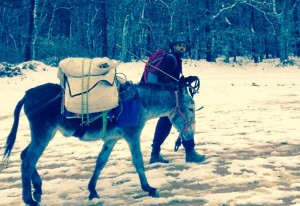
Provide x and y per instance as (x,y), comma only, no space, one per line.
(281,11)
(209,38)
(104,28)
(55,29)
(28,54)
(296,32)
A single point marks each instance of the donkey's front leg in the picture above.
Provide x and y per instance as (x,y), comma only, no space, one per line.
(100,163)
(138,162)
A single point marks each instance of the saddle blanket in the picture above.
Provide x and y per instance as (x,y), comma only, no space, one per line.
(127,114)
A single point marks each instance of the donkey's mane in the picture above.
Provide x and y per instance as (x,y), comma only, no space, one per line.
(157,86)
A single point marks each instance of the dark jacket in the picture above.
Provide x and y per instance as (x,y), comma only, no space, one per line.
(168,65)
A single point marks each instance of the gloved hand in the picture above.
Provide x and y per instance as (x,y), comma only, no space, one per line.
(191,79)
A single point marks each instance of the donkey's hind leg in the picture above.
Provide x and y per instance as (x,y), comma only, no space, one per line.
(28,168)
(100,163)
(37,185)
(138,162)
(39,141)
(36,180)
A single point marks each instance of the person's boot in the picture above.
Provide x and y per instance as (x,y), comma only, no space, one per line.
(157,158)
(193,156)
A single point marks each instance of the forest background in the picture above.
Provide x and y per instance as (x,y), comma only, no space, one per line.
(127,30)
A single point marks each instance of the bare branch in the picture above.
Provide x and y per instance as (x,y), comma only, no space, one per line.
(224,9)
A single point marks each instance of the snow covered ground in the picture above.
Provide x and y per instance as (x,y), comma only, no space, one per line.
(249,130)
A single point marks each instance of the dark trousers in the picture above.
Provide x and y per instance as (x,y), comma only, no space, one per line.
(162,130)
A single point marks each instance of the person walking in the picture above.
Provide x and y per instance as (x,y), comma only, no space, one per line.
(172,65)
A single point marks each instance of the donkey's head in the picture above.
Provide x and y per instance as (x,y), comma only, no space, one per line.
(183,115)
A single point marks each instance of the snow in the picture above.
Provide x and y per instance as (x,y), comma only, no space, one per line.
(249,130)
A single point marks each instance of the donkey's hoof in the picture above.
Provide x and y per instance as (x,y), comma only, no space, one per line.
(153,192)
(31,203)
(37,196)
(93,195)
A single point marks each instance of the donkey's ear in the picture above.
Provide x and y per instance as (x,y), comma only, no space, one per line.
(182,85)
(182,82)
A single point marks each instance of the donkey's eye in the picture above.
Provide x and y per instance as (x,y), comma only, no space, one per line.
(191,109)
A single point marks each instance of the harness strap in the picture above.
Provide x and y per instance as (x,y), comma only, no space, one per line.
(177,143)
(84,126)
(177,109)
(177,101)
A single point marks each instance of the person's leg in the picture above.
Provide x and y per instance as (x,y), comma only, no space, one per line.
(162,131)
(191,154)
(188,145)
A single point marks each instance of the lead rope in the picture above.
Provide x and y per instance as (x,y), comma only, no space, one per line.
(177,143)
(177,108)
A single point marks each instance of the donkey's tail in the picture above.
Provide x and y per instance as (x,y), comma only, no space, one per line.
(13,132)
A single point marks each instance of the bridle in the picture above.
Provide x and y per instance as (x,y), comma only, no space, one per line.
(177,109)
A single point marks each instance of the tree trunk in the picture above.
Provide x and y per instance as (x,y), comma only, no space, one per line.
(30,17)
(253,37)
(254,51)
(284,32)
(124,39)
(104,28)
(283,41)
(142,36)
(35,28)
(148,39)
(296,21)
(209,54)
(234,48)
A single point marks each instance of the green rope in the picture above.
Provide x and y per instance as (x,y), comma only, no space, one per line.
(87,94)
(102,115)
(104,123)
(82,87)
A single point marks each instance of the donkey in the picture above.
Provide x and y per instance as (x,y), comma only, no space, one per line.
(42,106)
